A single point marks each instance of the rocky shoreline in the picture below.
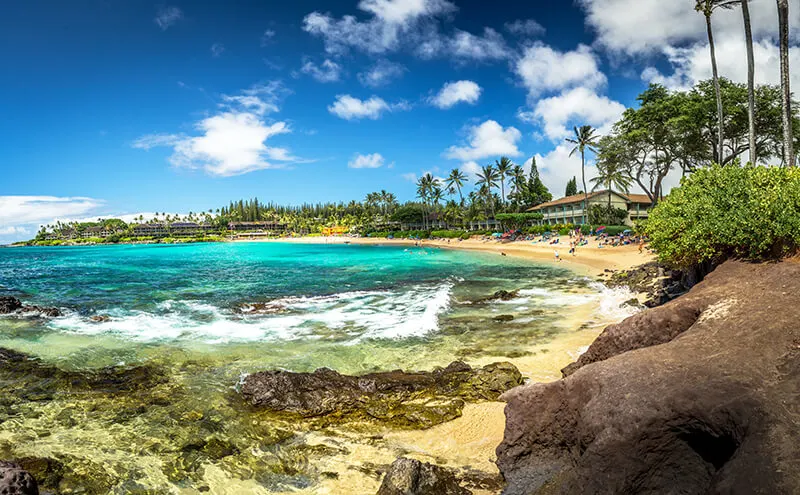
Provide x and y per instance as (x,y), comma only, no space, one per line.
(699,395)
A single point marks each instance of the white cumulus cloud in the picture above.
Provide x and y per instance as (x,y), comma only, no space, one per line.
(488,139)
(374,160)
(350,108)
(456,92)
(381,73)
(22,210)
(577,106)
(233,141)
(542,68)
(328,71)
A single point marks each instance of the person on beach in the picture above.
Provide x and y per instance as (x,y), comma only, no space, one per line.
(555,252)
(641,245)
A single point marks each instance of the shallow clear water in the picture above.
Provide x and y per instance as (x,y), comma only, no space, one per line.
(209,313)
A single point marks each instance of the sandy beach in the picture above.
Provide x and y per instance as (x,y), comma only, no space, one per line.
(589,260)
(469,442)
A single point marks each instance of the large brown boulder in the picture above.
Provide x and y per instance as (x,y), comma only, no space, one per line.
(413,477)
(420,399)
(701,395)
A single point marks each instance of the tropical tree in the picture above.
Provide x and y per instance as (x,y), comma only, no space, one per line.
(585,139)
(519,183)
(487,179)
(455,181)
(572,187)
(707,7)
(786,93)
(425,189)
(503,167)
(611,174)
(751,85)
(537,192)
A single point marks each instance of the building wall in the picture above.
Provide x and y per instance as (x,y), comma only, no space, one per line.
(573,212)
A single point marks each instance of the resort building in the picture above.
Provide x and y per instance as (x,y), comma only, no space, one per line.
(570,209)
(182,229)
(149,230)
(258,227)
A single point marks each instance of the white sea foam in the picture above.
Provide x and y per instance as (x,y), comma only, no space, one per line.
(403,313)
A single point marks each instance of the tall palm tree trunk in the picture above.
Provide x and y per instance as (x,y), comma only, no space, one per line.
(717,90)
(751,75)
(783,24)
(585,190)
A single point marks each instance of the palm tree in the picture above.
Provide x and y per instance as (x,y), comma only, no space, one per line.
(706,7)
(503,167)
(425,187)
(585,139)
(455,181)
(783,28)
(610,174)
(519,183)
(487,179)
(751,76)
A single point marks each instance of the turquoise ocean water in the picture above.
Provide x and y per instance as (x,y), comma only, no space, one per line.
(303,306)
(207,314)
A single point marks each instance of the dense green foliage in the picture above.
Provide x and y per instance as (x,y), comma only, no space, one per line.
(678,130)
(515,221)
(719,212)
(607,215)
(572,187)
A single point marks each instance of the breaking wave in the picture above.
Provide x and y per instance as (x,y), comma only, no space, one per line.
(408,312)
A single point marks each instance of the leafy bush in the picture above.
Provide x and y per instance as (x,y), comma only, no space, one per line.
(516,221)
(603,214)
(751,213)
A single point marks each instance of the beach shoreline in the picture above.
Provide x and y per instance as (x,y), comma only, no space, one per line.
(469,442)
(589,260)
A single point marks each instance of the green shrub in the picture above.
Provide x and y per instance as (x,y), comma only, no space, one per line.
(751,213)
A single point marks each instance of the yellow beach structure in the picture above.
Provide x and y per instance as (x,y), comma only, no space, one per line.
(338,230)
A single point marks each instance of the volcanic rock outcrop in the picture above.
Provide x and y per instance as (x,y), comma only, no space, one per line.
(402,398)
(16,481)
(700,395)
(12,305)
(413,477)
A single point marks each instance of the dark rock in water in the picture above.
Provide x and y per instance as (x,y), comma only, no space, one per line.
(503,318)
(501,295)
(697,396)
(405,399)
(10,305)
(633,303)
(16,481)
(30,379)
(412,477)
(261,308)
(100,318)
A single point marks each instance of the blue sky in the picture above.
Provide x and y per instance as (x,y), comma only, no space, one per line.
(123,107)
